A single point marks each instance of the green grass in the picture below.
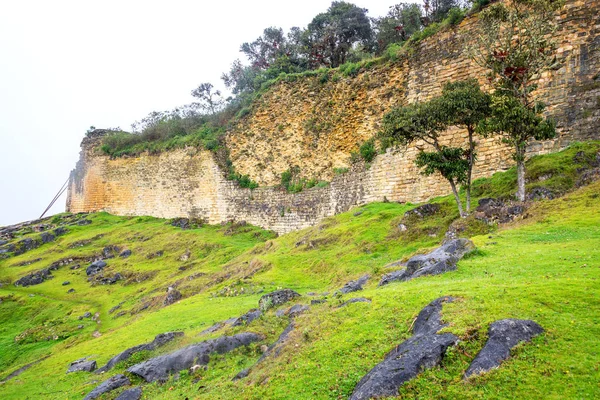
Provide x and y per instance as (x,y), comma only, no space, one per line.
(545,267)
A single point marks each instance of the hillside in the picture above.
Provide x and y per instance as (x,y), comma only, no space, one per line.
(543,265)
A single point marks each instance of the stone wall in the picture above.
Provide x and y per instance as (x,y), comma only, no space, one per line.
(189,183)
(316,125)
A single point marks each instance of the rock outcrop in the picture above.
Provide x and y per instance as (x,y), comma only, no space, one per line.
(276,298)
(354,286)
(440,260)
(131,394)
(503,335)
(95,267)
(82,364)
(159,368)
(159,340)
(425,349)
(108,385)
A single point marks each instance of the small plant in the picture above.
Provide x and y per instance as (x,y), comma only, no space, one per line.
(368,151)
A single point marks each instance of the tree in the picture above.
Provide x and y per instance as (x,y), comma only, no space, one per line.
(465,105)
(398,25)
(331,35)
(210,100)
(437,10)
(422,121)
(517,125)
(516,45)
(270,55)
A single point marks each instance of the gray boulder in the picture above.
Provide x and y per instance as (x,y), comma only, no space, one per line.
(425,349)
(440,260)
(276,298)
(95,267)
(111,383)
(172,296)
(273,349)
(247,318)
(241,320)
(503,335)
(354,286)
(293,311)
(35,278)
(159,340)
(159,368)
(82,365)
(131,394)
(125,253)
(400,275)
(423,211)
(355,300)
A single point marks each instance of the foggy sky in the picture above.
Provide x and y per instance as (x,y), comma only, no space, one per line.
(67,65)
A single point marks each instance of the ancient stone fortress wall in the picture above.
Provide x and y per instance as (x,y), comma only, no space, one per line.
(315,125)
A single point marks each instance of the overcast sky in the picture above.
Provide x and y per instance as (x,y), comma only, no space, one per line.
(67,65)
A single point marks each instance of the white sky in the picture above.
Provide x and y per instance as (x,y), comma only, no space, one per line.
(66,65)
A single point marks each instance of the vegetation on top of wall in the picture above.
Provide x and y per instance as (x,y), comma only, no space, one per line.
(276,58)
(294,183)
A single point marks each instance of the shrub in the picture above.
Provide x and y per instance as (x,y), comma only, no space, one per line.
(455,16)
(368,150)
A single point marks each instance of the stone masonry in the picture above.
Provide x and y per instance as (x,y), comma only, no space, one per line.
(316,125)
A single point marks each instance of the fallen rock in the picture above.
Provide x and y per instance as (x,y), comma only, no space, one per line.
(115,308)
(107,280)
(425,349)
(159,368)
(71,290)
(355,300)
(35,278)
(422,211)
(131,394)
(440,260)
(241,320)
(276,298)
(156,254)
(274,349)
(247,318)
(292,311)
(172,296)
(110,251)
(354,286)
(95,267)
(125,254)
(503,335)
(111,383)
(159,340)
(399,275)
(540,193)
(65,283)
(492,210)
(82,365)
(47,237)
(242,374)
(588,176)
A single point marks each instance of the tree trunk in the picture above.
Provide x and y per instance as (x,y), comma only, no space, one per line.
(457,198)
(520,156)
(470,170)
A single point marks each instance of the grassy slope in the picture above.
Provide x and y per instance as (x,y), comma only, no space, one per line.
(545,267)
